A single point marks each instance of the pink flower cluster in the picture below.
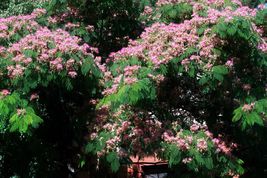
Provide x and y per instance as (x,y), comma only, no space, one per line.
(114,87)
(47,46)
(185,141)
(166,2)
(5,92)
(248,107)
(70,25)
(34,96)
(187,160)
(147,10)
(135,135)
(161,43)
(216,3)
(222,147)
(202,145)
(71,12)
(263,46)
(129,70)
(13,24)
(21,112)
(15,71)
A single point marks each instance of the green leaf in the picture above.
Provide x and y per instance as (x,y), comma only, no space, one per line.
(209,163)
(253,117)
(220,69)
(3,109)
(173,155)
(113,159)
(89,147)
(218,76)
(86,68)
(203,80)
(231,30)
(237,114)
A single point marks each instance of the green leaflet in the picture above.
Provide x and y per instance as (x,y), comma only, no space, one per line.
(219,72)
(113,159)
(250,118)
(22,123)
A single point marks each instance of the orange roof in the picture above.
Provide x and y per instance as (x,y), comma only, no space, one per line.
(147,160)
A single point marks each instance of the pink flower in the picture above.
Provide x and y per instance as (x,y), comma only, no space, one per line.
(202,145)
(125,125)
(72,74)
(90,28)
(5,92)
(194,127)
(182,144)
(148,10)
(2,49)
(246,87)
(261,6)
(187,160)
(34,96)
(129,70)
(21,112)
(38,12)
(209,134)
(229,63)
(129,80)
(70,25)
(93,102)
(93,136)
(248,107)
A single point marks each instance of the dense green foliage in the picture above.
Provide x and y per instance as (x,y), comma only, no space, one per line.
(17,7)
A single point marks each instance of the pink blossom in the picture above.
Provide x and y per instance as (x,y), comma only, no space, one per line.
(38,12)
(34,96)
(194,127)
(129,70)
(229,63)
(2,49)
(202,145)
(187,160)
(70,25)
(263,47)
(129,80)
(72,74)
(248,107)
(246,87)
(5,92)
(182,144)
(90,28)
(261,6)
(209,134)
(21,112)
(147,10)
(93,136)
